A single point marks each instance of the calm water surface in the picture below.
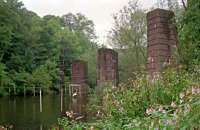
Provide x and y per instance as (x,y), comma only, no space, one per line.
(24,113)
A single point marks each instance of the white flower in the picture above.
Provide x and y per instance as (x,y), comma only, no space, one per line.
(181,95)
(92,128)
(70,114)
(193,90)
(186,108)
(187,92)
(113,87)
(173,104)
(161,109)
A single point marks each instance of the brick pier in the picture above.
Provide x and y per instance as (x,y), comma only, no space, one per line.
(162,40)
(78,88)
(107,67)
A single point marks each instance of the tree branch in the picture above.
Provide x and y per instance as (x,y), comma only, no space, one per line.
(184,5)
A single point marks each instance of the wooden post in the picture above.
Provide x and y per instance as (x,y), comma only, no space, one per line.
(61,99)
(65,89)
(40,100)
(62,77)
(34,91)
(24,106)
(70,90)
(14,90)
(41,127)
(14,103)
(9,91)
(34,111)
(24,91)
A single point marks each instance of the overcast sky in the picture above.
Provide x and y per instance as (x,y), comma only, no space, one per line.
(100,11)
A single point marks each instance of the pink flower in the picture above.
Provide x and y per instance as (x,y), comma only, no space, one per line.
(92,128)
(149,111)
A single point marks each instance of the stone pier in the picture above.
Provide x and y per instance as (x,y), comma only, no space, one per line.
(78,88)
(79,72)
(162,40)
(107,67)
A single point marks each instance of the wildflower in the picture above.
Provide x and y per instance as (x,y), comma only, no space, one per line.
(193,90)
(173,104)
(186,108)
(187,92)
(69,114)
(113,87)
(175,114)
(181,95)
(149,111)
(174,122)
(198,91)
(92,128)
(181,100)
(160,109)
(98,113)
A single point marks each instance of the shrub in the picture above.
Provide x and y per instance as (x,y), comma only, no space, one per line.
(172,102)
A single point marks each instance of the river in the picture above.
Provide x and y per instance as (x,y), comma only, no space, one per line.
(24,112)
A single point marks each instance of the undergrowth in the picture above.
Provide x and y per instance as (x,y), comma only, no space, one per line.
(170,103)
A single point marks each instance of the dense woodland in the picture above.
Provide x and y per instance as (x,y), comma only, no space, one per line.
(30,47)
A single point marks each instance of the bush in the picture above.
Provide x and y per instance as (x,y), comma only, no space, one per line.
(172,102)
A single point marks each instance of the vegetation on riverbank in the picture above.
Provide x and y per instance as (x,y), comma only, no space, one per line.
(30,47)
(172,102)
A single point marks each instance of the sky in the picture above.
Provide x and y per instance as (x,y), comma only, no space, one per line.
(99,11)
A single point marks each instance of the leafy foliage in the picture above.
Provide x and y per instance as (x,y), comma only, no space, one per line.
(30,46)
(169,103)
(189,35)
(128,36)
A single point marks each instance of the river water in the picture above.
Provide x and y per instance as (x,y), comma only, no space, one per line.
(24,112)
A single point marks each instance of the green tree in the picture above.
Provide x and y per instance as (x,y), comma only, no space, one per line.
(80,23)
(128,36)
(4,79)
(41,77)
(30,46)
(189,35)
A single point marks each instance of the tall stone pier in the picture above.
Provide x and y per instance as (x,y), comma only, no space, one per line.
(79,72)
(162,40)
(78,88)
(107,67)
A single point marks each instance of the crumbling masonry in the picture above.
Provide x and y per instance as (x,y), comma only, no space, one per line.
(107,67)
(162,40)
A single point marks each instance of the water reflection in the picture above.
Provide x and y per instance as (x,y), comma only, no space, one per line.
(24,113)
(78,102)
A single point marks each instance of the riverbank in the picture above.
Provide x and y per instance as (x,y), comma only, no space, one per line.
(170,102)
